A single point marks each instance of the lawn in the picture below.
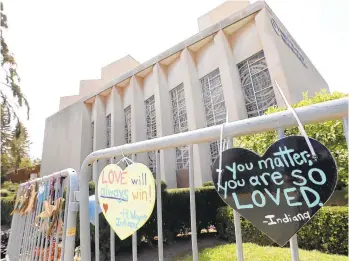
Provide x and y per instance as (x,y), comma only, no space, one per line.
(254,252)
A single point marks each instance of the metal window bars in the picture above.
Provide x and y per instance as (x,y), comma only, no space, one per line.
(92,140)
(215,110)
(108,121)
(331,110)
(29,236)
(128,136)
(256,84)
(180,124)
(150,119)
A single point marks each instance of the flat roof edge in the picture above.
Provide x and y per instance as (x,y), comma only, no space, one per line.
(251,9)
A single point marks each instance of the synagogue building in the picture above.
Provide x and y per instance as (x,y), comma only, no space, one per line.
(229,66)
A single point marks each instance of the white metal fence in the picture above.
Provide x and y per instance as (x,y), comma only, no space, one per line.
(25,238)
(29,237)
(337,109)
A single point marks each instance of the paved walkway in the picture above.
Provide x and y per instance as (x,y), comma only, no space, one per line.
(173,252)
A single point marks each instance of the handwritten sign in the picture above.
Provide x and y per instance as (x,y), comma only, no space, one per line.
(71,232)
(126,197)
(280,191)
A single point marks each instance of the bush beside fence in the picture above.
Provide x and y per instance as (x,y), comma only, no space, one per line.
(8,193)
(327,231)
(6,209)
(176,217)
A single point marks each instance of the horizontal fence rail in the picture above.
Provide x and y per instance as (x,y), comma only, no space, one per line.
(29,238)
(331,110)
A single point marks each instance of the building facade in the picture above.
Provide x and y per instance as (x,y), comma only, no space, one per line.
(228,67)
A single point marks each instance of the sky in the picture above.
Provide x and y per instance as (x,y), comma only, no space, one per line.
(58,43)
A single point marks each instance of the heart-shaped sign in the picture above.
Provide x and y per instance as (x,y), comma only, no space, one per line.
(127,197)
(280,191)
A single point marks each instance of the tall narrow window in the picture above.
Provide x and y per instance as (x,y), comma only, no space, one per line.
(256,85)
(150,118)
(215,111)
(180,124)
(128,137)
(93,132)
(108,119)
(92,137)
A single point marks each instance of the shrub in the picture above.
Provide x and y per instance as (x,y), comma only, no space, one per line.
(4,192)
(8,193)
(9,190)
(329,133)
(6,209)
(208,184)
(175,214)
(327,231)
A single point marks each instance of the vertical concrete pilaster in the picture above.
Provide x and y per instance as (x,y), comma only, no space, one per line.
(233,94)
(86,133)
(196,117)
(164,125)
(117,119)
(138,126)
(100,132)
(272,56)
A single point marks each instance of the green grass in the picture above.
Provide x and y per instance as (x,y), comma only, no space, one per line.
(254,252)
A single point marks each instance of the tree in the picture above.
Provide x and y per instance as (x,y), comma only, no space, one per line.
(5,139)
(329,133)
(29,163)
(11,94)
(19,146)
(14,143)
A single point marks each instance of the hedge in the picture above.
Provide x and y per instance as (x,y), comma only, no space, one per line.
(175,214)
(327,231)
(8,193)
(6,209)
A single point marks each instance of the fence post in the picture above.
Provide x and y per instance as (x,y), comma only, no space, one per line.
(134,235)
(70,226)
(85,242)
(112,233)
(193,228)
(293,240)
(237,223)
(159,207)
(95,177)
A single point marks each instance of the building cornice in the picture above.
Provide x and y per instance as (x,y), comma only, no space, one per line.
(202,35)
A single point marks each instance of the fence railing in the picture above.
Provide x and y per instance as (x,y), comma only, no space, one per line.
(331,110)
(30,238)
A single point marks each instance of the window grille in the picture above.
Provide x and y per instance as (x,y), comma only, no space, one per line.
(108,118)
(215,110)
(92,136)
(150,118)
(93,133)
(256,85)
(180,124)
(128,137)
